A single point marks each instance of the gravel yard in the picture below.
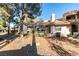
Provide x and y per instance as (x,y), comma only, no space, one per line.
(32,45)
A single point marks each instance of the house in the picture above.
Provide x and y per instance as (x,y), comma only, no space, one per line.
(58,26)
(73,18)
(68,24)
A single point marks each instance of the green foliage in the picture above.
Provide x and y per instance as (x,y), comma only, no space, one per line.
(2,23)
(6,7)
(34,10)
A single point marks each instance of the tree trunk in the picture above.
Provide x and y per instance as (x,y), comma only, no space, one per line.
(20,28)
(14,30)
(9,27)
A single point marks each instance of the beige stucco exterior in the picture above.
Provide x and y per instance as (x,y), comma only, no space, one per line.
(69,19)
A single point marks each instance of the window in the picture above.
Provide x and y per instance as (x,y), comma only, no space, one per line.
(77,16)
(70,17)
(58,28)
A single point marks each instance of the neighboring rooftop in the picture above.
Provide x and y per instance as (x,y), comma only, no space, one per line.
(57,22)
(71,12)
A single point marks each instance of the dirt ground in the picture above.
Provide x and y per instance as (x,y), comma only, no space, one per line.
(32,45)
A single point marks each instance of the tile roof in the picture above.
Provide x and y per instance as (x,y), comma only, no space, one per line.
(57,22)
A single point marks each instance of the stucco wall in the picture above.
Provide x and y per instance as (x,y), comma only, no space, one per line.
(64,29)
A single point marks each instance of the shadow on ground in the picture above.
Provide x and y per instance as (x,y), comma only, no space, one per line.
(60,50)
(24,51)
(75,42)
(6,39)
(65,39)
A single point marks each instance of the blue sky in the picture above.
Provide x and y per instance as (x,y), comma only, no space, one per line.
(58,8)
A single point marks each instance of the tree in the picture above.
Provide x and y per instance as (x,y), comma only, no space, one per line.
(5,8)
(32,10)
(20,9)
(6,12)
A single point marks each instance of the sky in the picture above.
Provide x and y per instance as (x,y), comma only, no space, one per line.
(58,8)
